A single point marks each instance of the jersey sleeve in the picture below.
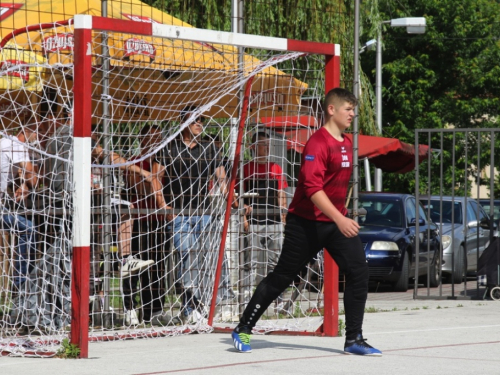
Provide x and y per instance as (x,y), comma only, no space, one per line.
(312,171)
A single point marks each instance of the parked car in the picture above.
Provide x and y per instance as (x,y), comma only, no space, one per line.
(388,233)
(465,232)
(486,204)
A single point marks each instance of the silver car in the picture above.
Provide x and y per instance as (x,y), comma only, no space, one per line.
(465,232)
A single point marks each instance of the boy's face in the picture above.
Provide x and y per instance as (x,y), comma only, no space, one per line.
(261,147)
(342,114)
(196,127)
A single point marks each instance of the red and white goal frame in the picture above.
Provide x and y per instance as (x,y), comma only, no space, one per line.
(84,25)
(79,99)
(82,91)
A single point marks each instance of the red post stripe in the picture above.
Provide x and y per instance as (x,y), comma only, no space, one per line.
(80,270)
(311,47)
(82,88)
(122,26)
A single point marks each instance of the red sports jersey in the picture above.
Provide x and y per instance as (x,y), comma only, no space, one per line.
(267,171)
(326,165)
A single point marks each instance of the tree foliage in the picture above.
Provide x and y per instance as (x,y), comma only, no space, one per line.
(311,20)
(449,76)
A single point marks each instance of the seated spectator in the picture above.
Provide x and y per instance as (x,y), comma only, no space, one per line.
(17,179)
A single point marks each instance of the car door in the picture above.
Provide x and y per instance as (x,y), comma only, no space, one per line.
(480,235)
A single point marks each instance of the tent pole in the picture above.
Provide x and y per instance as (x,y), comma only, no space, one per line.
(368,179)
(106,198)
(355,170)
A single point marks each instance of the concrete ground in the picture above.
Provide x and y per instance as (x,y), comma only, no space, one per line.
(423,336)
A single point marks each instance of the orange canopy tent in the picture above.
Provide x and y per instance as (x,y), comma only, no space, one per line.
(390,154)
(145,72)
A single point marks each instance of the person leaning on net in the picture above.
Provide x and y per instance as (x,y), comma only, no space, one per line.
(17,179)
(60,171)
(317,219)
(266,217)
(151,231)
(192,172)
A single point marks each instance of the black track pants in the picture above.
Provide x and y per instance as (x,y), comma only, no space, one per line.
(303,240)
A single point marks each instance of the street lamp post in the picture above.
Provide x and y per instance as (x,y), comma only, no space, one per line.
(368,46)
(414,25)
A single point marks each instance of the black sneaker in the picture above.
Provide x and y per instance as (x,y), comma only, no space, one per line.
(360,347)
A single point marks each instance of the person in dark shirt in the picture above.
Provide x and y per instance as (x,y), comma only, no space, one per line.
(193,173)
(317,219)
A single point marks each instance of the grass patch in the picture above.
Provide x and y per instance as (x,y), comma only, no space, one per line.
(341,328)
(68,350)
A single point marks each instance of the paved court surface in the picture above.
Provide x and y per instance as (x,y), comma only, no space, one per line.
(416,337)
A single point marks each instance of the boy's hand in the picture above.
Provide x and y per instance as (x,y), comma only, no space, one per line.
(348,227)
(21,192)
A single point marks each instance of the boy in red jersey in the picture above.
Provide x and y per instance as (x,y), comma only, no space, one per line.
(317,219)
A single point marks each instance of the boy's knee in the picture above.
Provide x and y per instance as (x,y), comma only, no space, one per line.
(279,281)
(358,273)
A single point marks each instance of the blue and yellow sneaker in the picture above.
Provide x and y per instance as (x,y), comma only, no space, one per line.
(360,347)
(241,341)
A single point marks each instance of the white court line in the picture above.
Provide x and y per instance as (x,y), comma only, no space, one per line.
(432,329)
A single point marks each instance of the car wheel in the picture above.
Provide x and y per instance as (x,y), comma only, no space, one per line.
(433,279)
(459,271)
(495,293)
(401,285)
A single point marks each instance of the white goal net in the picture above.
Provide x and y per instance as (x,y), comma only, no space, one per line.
(170,117)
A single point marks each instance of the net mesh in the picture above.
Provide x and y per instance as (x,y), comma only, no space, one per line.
(165,120)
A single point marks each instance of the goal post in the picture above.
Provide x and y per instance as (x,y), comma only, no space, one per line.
(162,79)
(82,92)
(332,79)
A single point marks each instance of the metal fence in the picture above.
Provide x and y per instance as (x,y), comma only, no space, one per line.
(456,185)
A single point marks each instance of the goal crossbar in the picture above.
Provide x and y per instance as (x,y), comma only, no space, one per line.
(206,36)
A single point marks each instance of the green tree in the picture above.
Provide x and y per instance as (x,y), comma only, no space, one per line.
(328,21)
(449,76)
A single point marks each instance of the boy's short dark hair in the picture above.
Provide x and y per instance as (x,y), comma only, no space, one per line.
(259,134)
(187,111)
(339,95)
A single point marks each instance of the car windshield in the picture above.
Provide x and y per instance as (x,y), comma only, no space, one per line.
(451,211)
(380,211)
